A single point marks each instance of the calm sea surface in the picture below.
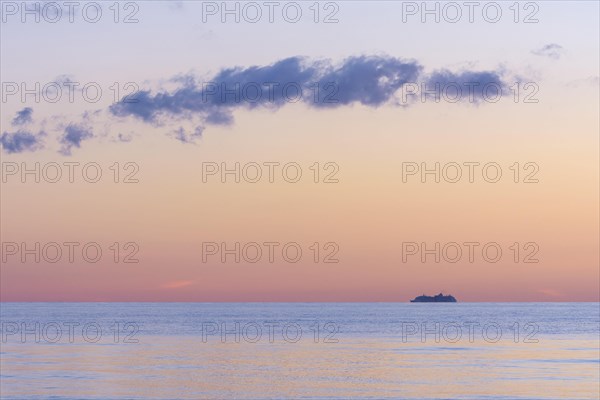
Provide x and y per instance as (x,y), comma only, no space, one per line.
(300,350)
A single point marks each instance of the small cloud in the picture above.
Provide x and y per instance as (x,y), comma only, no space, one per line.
(74,135)
(23,117)
(124,138)
(64,78)
(177,284)
(552,50)
(593,81)
(184,137)
(175,4)
(19,141)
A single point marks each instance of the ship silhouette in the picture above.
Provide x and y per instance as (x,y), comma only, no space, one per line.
(438,298)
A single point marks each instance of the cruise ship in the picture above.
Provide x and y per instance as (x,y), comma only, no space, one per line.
(438,298)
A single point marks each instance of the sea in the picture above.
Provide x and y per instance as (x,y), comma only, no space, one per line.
(300,351)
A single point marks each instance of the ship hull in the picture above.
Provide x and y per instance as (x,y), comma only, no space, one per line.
(434,299)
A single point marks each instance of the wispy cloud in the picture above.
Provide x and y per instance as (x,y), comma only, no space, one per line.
(21,140)
(590,81)
(187,137)
(23,117)
(552,50)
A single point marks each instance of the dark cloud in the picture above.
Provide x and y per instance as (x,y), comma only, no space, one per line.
(26,140)
(370,81)
(21,140)
(551,50)
(272,81)
(73,136)
(23,117)
(219,117)
(469,86)
(214,100)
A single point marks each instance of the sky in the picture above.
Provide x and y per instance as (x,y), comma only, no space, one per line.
(200,158)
